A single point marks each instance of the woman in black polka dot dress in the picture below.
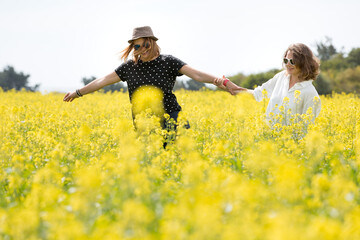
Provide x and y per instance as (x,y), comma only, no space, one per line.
(149,67)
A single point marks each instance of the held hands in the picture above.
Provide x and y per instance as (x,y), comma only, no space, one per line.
(231,87)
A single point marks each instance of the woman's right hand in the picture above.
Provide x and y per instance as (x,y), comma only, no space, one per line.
(69,97)
(233,88)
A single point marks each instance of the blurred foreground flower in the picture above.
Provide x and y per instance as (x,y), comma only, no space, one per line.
(148,97)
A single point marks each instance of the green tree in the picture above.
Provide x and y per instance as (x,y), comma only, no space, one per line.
(238,78)
(258,79)
(336,62)
(179,85)
(10,79)
(88,80)
(110,88)
(323,85)
(194,85)
(353,57)
(348,81)
(325,50)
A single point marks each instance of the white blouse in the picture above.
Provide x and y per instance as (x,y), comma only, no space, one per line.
(297,99)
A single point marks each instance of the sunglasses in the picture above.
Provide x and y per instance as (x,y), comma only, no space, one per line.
(137,46)
(286,60)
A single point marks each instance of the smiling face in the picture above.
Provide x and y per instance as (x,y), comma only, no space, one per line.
(142,48)
(291,69)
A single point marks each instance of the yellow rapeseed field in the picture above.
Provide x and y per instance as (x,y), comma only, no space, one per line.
(79,170)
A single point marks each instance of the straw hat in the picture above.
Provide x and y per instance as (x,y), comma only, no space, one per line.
(141,32)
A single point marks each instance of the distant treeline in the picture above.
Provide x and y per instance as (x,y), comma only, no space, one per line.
(340,72)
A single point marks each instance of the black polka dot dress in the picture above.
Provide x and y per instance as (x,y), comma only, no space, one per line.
(160,72)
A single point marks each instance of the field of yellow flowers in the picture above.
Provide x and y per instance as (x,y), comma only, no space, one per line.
(79,170)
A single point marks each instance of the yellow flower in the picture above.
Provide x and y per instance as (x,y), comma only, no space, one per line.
(148,98)
(286,101)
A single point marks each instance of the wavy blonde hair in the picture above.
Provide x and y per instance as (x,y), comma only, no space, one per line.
(305,60)
(154,50)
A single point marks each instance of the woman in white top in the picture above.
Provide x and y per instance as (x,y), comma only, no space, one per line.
(291,91)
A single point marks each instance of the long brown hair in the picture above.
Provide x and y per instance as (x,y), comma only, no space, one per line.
(305,60)
(154,49)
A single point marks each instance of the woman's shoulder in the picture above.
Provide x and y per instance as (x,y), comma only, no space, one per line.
(166,57)
(128,62)
(279,77)
(281,74)
(170,59)
(125,65)
(308,89)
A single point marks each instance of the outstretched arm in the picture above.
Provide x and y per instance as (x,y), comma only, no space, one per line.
(196,74)
(205,78)
(93,86)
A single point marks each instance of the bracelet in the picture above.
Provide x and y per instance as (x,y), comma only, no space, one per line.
(78,93)
(225,82)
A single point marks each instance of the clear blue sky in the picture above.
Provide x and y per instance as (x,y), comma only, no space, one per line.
(60,42)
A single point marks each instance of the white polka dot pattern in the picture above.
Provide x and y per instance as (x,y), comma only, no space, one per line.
(160,72)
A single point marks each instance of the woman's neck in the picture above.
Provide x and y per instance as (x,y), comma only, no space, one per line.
(293,80)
